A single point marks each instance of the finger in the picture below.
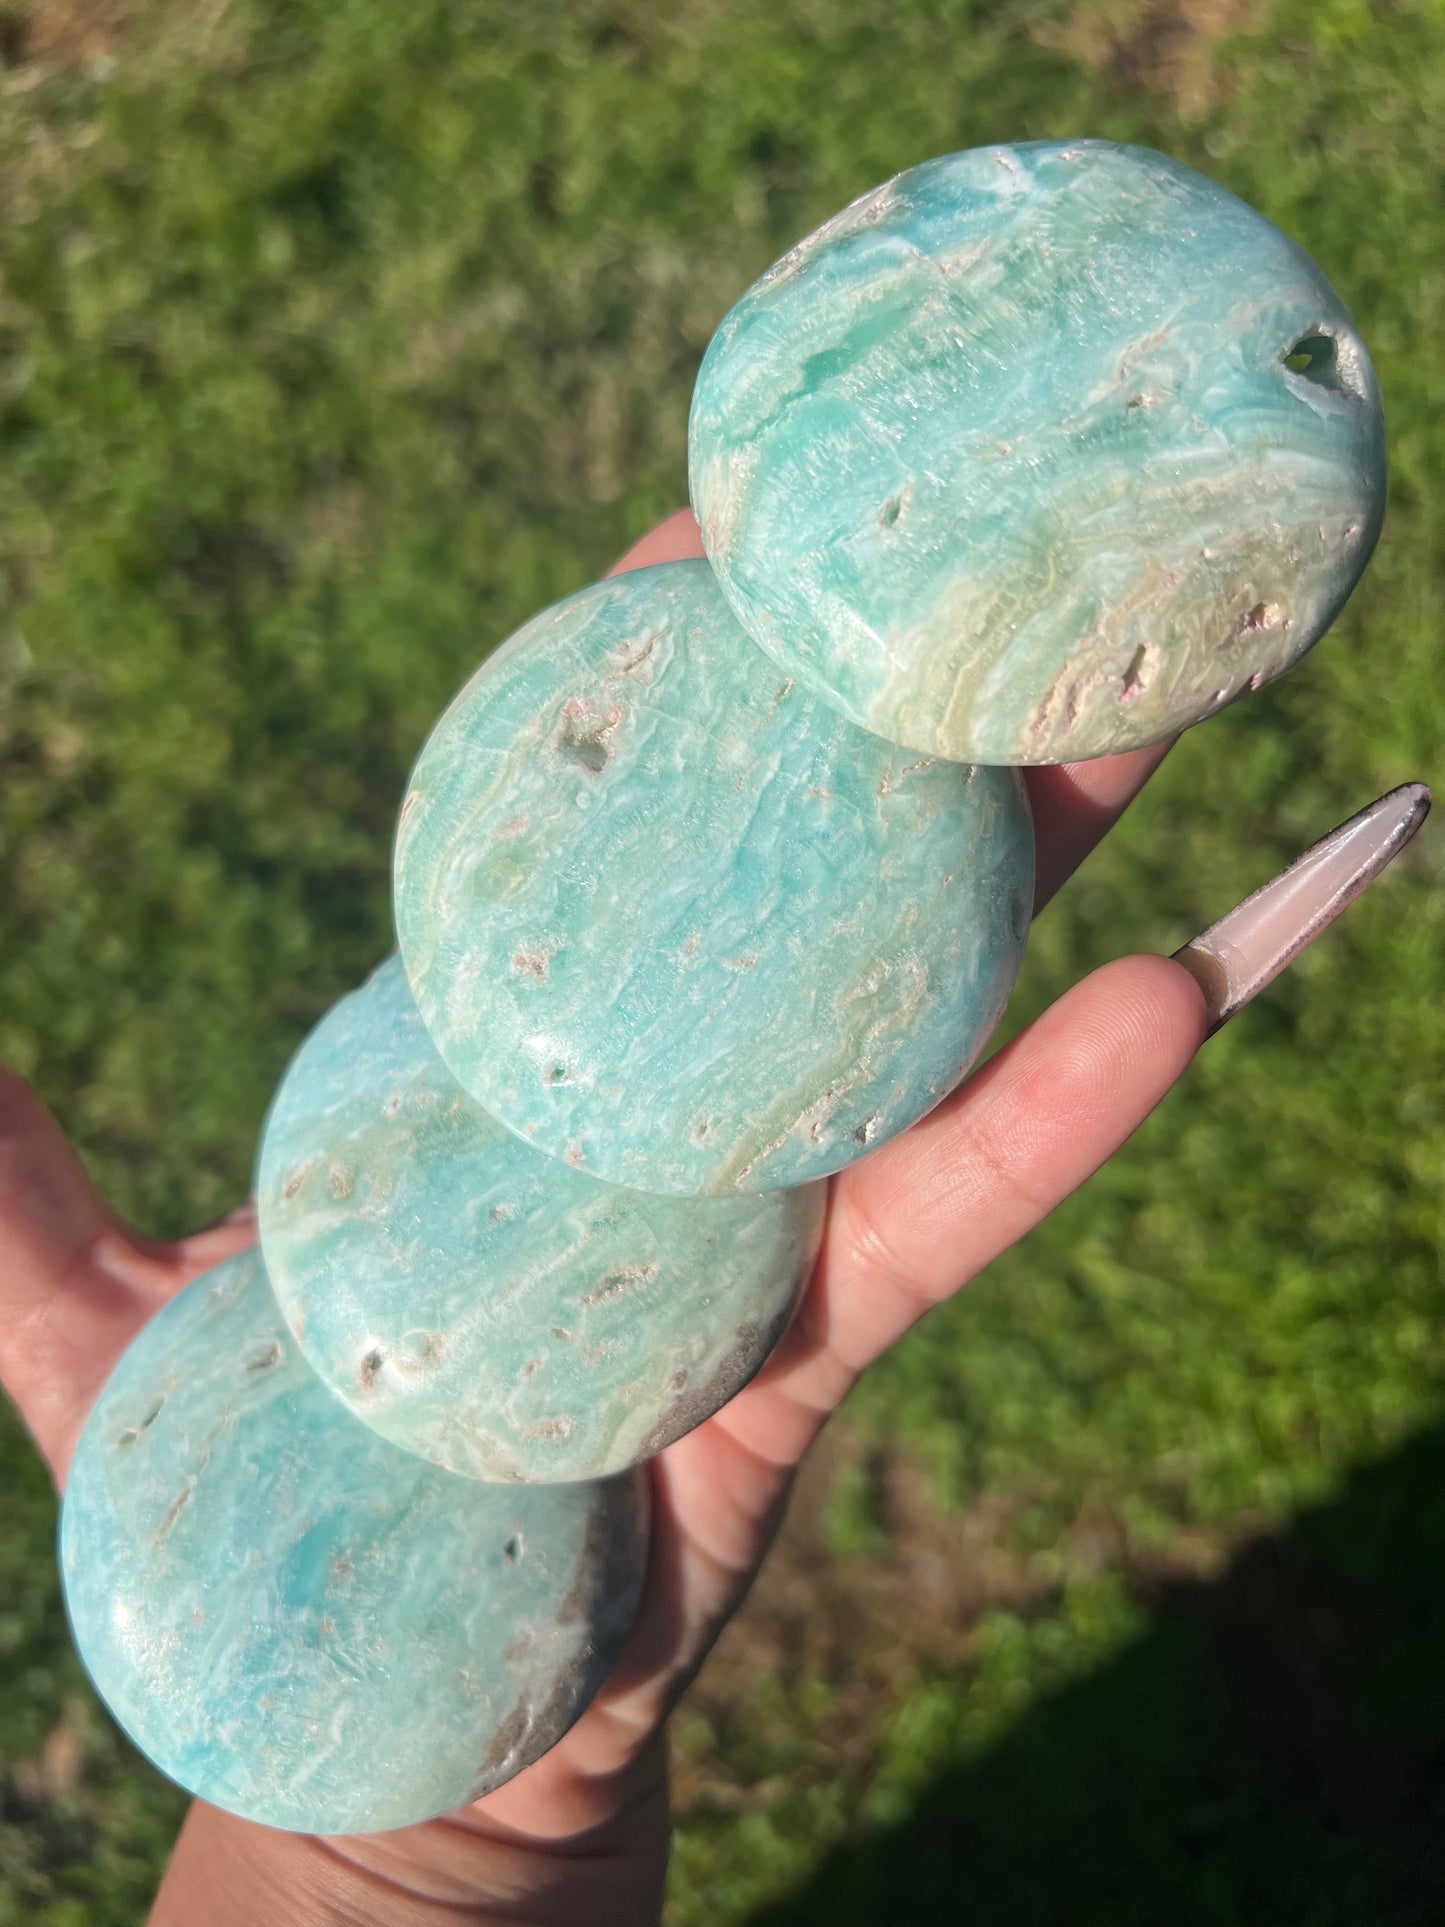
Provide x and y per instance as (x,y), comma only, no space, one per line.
(678,539)
(1074,804)
(914,1222)
(942,1201)
(76,1284)
(907,1227)
(920,1217)
(234,1233)
(74,1287)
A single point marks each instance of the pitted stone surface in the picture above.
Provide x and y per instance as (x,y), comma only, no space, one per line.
(303,1624)
(486,1305)
(676,922)
(1036,453)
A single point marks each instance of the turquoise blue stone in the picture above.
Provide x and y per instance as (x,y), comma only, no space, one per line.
(1037,453)
(486,1305)
(677,923)
(298,1621)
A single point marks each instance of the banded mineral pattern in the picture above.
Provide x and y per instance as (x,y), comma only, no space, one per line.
(713,879)
(1036,453)
(677,922)
(302,1623)
(486,1305)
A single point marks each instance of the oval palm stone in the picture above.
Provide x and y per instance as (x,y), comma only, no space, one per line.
(485,1305)
(298,1621)
(1036,453)
(676,922)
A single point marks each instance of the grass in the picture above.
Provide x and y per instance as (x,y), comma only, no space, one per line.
(336,338)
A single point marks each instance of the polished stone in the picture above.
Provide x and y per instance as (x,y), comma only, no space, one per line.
(486,1305)
(1036,453)
(303,1624)
(678,923)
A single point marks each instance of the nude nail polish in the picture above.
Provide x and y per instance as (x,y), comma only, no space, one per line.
(1234,959)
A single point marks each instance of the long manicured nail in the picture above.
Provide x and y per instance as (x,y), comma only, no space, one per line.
(1235,958)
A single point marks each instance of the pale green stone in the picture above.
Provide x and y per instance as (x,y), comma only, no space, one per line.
(303,1624)
(1038,452)
(676,922)
(485,1305)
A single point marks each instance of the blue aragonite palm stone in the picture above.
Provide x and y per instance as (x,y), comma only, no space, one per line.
(679,924)
(485,1305)
(1037,453)
(298,1621)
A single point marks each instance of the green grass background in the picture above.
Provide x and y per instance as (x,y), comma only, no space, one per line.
(336,337)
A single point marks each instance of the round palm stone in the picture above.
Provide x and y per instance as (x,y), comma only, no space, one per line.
(298,1621)
(1036,453)
(676,922)
(486,1305)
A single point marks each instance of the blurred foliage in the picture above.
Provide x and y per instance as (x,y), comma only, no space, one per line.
(338,336)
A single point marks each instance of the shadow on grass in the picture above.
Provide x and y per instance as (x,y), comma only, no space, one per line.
(1271,1750)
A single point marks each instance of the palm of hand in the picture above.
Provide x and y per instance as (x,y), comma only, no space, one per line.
(906,1228)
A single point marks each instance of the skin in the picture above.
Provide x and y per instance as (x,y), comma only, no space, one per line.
(583,1834)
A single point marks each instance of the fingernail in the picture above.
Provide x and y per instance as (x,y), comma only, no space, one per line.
(1235,958)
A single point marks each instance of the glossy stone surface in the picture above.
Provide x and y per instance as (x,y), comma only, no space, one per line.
(678,923)
(486,1305)
(1036,453)
(303,1624)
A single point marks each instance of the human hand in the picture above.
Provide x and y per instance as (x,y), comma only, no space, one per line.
(582,1834)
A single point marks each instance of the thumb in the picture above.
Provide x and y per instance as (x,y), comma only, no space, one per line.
(76,1284)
